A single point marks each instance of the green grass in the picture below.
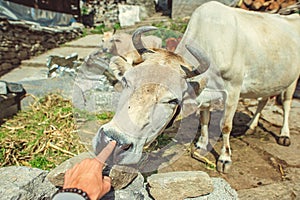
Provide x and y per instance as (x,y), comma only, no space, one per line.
(177,25)
(100,29)
(105,116)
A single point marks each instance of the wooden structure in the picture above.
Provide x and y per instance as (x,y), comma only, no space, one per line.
(272,6)
(62,6)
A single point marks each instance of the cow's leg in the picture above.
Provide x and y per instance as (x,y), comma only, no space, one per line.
(284,138)
(224,161)
(254,121)
(204,120)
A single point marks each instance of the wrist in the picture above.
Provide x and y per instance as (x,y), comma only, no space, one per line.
(71,193)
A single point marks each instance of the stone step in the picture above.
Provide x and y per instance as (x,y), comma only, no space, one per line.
(83,47)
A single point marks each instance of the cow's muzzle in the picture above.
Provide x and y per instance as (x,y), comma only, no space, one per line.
(122,152)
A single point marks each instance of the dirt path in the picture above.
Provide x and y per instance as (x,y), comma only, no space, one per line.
(258,161)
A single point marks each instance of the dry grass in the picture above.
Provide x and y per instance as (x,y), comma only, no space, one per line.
(42,137)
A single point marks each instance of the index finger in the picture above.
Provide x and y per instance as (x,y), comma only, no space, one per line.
(105,153)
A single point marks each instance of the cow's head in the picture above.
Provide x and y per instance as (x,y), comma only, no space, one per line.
(152,96)
(109,40)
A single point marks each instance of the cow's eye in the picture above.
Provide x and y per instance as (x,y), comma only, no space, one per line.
(174,101)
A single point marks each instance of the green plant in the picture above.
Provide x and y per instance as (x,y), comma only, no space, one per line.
(117,26)
(98,29)
(41,162)
(177,25)
(84,32)
(161,141)
(105,116)
(84,10)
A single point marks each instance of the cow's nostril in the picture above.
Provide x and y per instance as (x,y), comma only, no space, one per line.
(126,147)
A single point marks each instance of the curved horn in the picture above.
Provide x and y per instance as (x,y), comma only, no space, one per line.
(201,57)
(137,40)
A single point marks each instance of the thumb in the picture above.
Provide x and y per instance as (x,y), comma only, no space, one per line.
(106,184)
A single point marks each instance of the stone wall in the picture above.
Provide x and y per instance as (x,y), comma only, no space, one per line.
(107,11)
(19,40)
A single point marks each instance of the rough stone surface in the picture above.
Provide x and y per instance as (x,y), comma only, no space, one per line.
(24,183)
(222,190)
(122,176)
(56,176)
(134,191)
(179,185)
(288,189)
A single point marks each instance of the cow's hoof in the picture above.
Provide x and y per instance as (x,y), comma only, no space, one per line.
(223,166)
(201,146)
(284,141)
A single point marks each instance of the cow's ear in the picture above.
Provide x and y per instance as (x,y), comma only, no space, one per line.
(189,72)
(198,85)
(119,66)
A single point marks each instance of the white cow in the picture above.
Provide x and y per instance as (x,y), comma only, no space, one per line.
(153,94)
(256,54)
(120,44)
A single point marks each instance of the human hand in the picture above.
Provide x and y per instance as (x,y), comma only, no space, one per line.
(87,175)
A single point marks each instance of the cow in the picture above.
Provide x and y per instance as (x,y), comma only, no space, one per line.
(120,44)
(243,64)
(152,96)
(255,54)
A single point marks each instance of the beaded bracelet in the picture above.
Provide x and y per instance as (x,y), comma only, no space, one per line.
(74,190)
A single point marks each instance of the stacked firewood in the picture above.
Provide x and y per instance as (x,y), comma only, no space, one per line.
(272,6)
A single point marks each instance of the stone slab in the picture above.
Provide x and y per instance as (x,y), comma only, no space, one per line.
(24,183)
(91,41)
(24,73)
(179,185)
(134,191)
(222,190)
(41,60)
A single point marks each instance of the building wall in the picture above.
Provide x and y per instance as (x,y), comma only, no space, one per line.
(185,8)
